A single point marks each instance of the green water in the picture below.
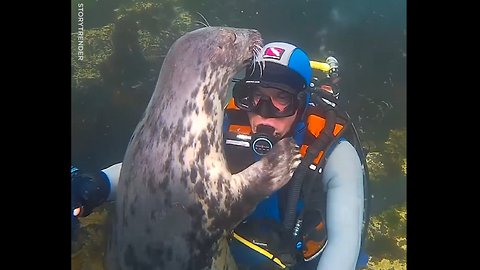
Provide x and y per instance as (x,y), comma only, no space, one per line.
(113,84)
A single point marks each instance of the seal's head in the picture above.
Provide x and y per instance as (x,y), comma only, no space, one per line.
(229,45)
(210,55)
(222,46)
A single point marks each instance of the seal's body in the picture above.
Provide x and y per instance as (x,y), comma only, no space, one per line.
(176,199)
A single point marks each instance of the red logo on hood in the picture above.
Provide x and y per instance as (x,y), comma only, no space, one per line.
(273,52)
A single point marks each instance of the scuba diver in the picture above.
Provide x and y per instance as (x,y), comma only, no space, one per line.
(318,220)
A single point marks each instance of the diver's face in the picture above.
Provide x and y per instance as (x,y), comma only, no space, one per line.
(280,100)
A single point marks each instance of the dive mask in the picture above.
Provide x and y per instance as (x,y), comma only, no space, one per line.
(248,97)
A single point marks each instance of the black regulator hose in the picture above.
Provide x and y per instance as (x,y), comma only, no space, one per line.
(299,175)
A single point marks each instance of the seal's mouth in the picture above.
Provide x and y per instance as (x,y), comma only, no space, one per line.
(256,46)
(256,49)
(256,58)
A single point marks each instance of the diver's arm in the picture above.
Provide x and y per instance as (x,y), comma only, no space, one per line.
(90,190)
(113,174)
(343,181)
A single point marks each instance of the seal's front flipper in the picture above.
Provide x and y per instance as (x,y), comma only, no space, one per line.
(280,163)
(264,177)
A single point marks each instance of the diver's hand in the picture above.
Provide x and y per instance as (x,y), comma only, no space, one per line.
(88,191)
(75,210)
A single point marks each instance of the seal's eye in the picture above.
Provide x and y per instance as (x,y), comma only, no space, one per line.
(231,36)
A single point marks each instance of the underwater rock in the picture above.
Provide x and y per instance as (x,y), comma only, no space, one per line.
(137,39)
(388,159)
(376,168)
(396,150)
(88,252)
(387,240)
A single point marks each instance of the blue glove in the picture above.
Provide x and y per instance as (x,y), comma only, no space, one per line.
(89,190)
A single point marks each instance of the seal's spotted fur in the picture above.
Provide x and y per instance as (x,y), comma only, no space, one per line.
(176,197)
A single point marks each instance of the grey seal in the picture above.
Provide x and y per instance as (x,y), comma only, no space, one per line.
(176,199)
